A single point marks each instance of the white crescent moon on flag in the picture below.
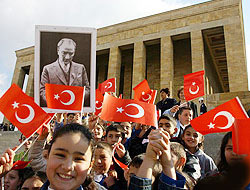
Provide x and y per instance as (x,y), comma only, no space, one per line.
(109,85)
(29,118)
(72,97)
(194,92)
(230,119)
(140,109)
(145,100)
(98,108)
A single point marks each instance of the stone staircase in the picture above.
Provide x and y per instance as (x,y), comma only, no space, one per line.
(214,100)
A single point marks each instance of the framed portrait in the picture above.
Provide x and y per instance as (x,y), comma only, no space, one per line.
(65,56)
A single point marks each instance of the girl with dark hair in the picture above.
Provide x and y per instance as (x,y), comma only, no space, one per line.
(70,159)
(233,171)
(193,142)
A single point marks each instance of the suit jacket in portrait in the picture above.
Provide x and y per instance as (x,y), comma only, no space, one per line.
(53,74)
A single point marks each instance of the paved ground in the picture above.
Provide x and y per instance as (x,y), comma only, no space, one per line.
(8,139)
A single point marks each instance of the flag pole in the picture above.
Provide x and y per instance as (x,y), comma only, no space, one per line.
(20,145)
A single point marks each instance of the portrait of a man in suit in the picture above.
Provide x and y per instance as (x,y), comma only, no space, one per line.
(64,71)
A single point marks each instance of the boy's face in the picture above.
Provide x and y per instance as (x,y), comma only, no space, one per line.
(166,126)
(98,132)
(185,117)
(103,161)
(127,128)
(27,144)
(114,137)
(70,118)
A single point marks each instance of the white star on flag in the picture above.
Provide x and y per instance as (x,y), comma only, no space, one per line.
(120,110)
(56,96)
(211,126)
(193,83)
(15,105)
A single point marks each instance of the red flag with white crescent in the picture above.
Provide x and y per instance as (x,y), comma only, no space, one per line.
(64,97)
(142,89)
(98,101)
(240,136)
(121,110)
(220,119)
(194,85)
(108,86)
(22,111)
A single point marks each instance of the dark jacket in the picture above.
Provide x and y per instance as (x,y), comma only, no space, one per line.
(166,104)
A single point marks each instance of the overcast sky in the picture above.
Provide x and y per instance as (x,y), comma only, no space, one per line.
(19,17)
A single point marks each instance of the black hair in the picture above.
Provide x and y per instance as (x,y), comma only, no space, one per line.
(115,127)
(222,164)
(179,91)
(68,114)
(181,109)
(104,146)
(200,145)
(166,90)
(72,128)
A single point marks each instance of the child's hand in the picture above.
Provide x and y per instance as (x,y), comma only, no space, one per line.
(6,161)
(109,181)
(92,120)
(160,140)
(174,109)
(120,150)
(45,132)
(112,173)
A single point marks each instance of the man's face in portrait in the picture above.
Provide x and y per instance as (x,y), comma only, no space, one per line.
(66,52)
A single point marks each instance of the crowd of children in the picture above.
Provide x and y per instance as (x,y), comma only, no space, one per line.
(95,154)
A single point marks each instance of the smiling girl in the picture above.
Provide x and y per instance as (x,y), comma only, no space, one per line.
(193,141)
(69,158)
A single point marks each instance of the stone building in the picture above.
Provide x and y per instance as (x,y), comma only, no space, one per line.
(164,47)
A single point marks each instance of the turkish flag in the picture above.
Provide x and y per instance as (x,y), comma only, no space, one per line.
(19,164)
(141,89)
(122,110)
(98,101)
(194,85)
(240,136)
(220,119)
(153,96)
(40,130)
(108,86)
(143,93)
(64,97)
(22,111)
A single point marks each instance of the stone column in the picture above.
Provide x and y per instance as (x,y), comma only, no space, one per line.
(167,64)
(114,67)
(30,83)
(197,49)
(18,76)
(236,58)
(139,64)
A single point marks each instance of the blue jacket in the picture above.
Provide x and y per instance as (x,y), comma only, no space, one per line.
(165,183)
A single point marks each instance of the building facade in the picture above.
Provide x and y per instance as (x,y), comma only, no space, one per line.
(164,47)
